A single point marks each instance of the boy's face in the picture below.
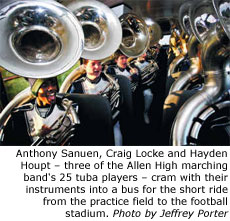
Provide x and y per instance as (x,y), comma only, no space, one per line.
(47,92)
(122,61)
(93,68)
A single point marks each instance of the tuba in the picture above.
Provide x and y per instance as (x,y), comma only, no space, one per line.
(25,96)
(184,19)
(135,35)
(101,27)
(39,39)
(185,27)
(192,74)
(155,32)
(132,29)
(215,55)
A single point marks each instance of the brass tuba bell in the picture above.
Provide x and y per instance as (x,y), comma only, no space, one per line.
(39,39)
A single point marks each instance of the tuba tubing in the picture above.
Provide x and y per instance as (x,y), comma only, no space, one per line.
(74,75)
(174,64)
(155,32)
(215,85)
(208,112)
(21,98)
(194,70)
(185,25)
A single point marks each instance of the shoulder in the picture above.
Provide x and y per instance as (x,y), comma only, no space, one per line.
(80,80)
(76,86)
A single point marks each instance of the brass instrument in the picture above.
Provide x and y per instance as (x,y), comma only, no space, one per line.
(135,39)
(52,134)
(52,44)
(101,27)
(155,32)
(180,50)
(184,78)
(39,39)
(215,51)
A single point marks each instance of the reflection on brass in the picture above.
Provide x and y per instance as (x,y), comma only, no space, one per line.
(216,78)
(101,27)
(185,77)
(136,38)
(39,39)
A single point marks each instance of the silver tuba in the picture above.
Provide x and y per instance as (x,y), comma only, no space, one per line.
(193,73)
(215,52)
(135,39)
(155,32)
(101,27)
(39,39)
(202,19)
(184,19)
(25,96)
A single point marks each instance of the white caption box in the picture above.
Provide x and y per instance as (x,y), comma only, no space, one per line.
(114,183)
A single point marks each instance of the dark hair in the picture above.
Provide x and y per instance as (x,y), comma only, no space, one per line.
(117,54)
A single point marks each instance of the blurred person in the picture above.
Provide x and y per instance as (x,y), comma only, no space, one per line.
(122,68)
(148,72)
(132,73)
(97,82)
